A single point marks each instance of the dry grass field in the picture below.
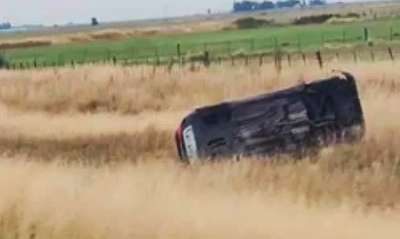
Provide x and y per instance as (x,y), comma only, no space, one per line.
(89,153)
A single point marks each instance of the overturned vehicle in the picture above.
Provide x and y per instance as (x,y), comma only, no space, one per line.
(295,121)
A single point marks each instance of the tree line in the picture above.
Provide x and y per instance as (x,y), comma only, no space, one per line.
(246,5)
(5,25)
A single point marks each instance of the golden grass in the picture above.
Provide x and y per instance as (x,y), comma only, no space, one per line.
(104,34)
(68,137)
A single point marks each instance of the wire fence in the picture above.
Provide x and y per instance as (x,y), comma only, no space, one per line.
(213,51)
(279,59)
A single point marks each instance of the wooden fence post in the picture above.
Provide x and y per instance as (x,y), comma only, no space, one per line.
(391,54)
(319,58)
(366,37)
(289,59)
(178,50)
(261,59)
(206,59)
(304,58)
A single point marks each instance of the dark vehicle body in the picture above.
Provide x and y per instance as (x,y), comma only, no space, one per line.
(291,120)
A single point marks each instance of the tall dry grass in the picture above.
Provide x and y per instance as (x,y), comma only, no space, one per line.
(59,38)
(56,123)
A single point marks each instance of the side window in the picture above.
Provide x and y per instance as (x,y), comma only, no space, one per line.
(319,104)
(327,109)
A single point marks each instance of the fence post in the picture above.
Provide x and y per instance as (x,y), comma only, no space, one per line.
(261,60)
(366,34)
(391,54)
(304,58)
(299,43)
(289,59)
(278,60)
(206,59)
(178,50)
(319,58)
(391,33)
(35,61)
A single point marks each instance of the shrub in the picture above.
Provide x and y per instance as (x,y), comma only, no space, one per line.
(251,23)
(314,19)
(322,18)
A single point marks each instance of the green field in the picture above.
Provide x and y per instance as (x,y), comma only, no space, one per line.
(216,42)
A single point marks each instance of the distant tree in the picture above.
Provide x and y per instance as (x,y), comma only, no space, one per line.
(288,3)
(317,2)
(94,21)
(5,25)
(267,5)
(244,6)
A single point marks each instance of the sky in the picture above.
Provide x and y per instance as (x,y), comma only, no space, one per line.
(50,12)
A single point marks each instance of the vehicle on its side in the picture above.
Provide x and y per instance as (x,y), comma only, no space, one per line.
(294,120)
